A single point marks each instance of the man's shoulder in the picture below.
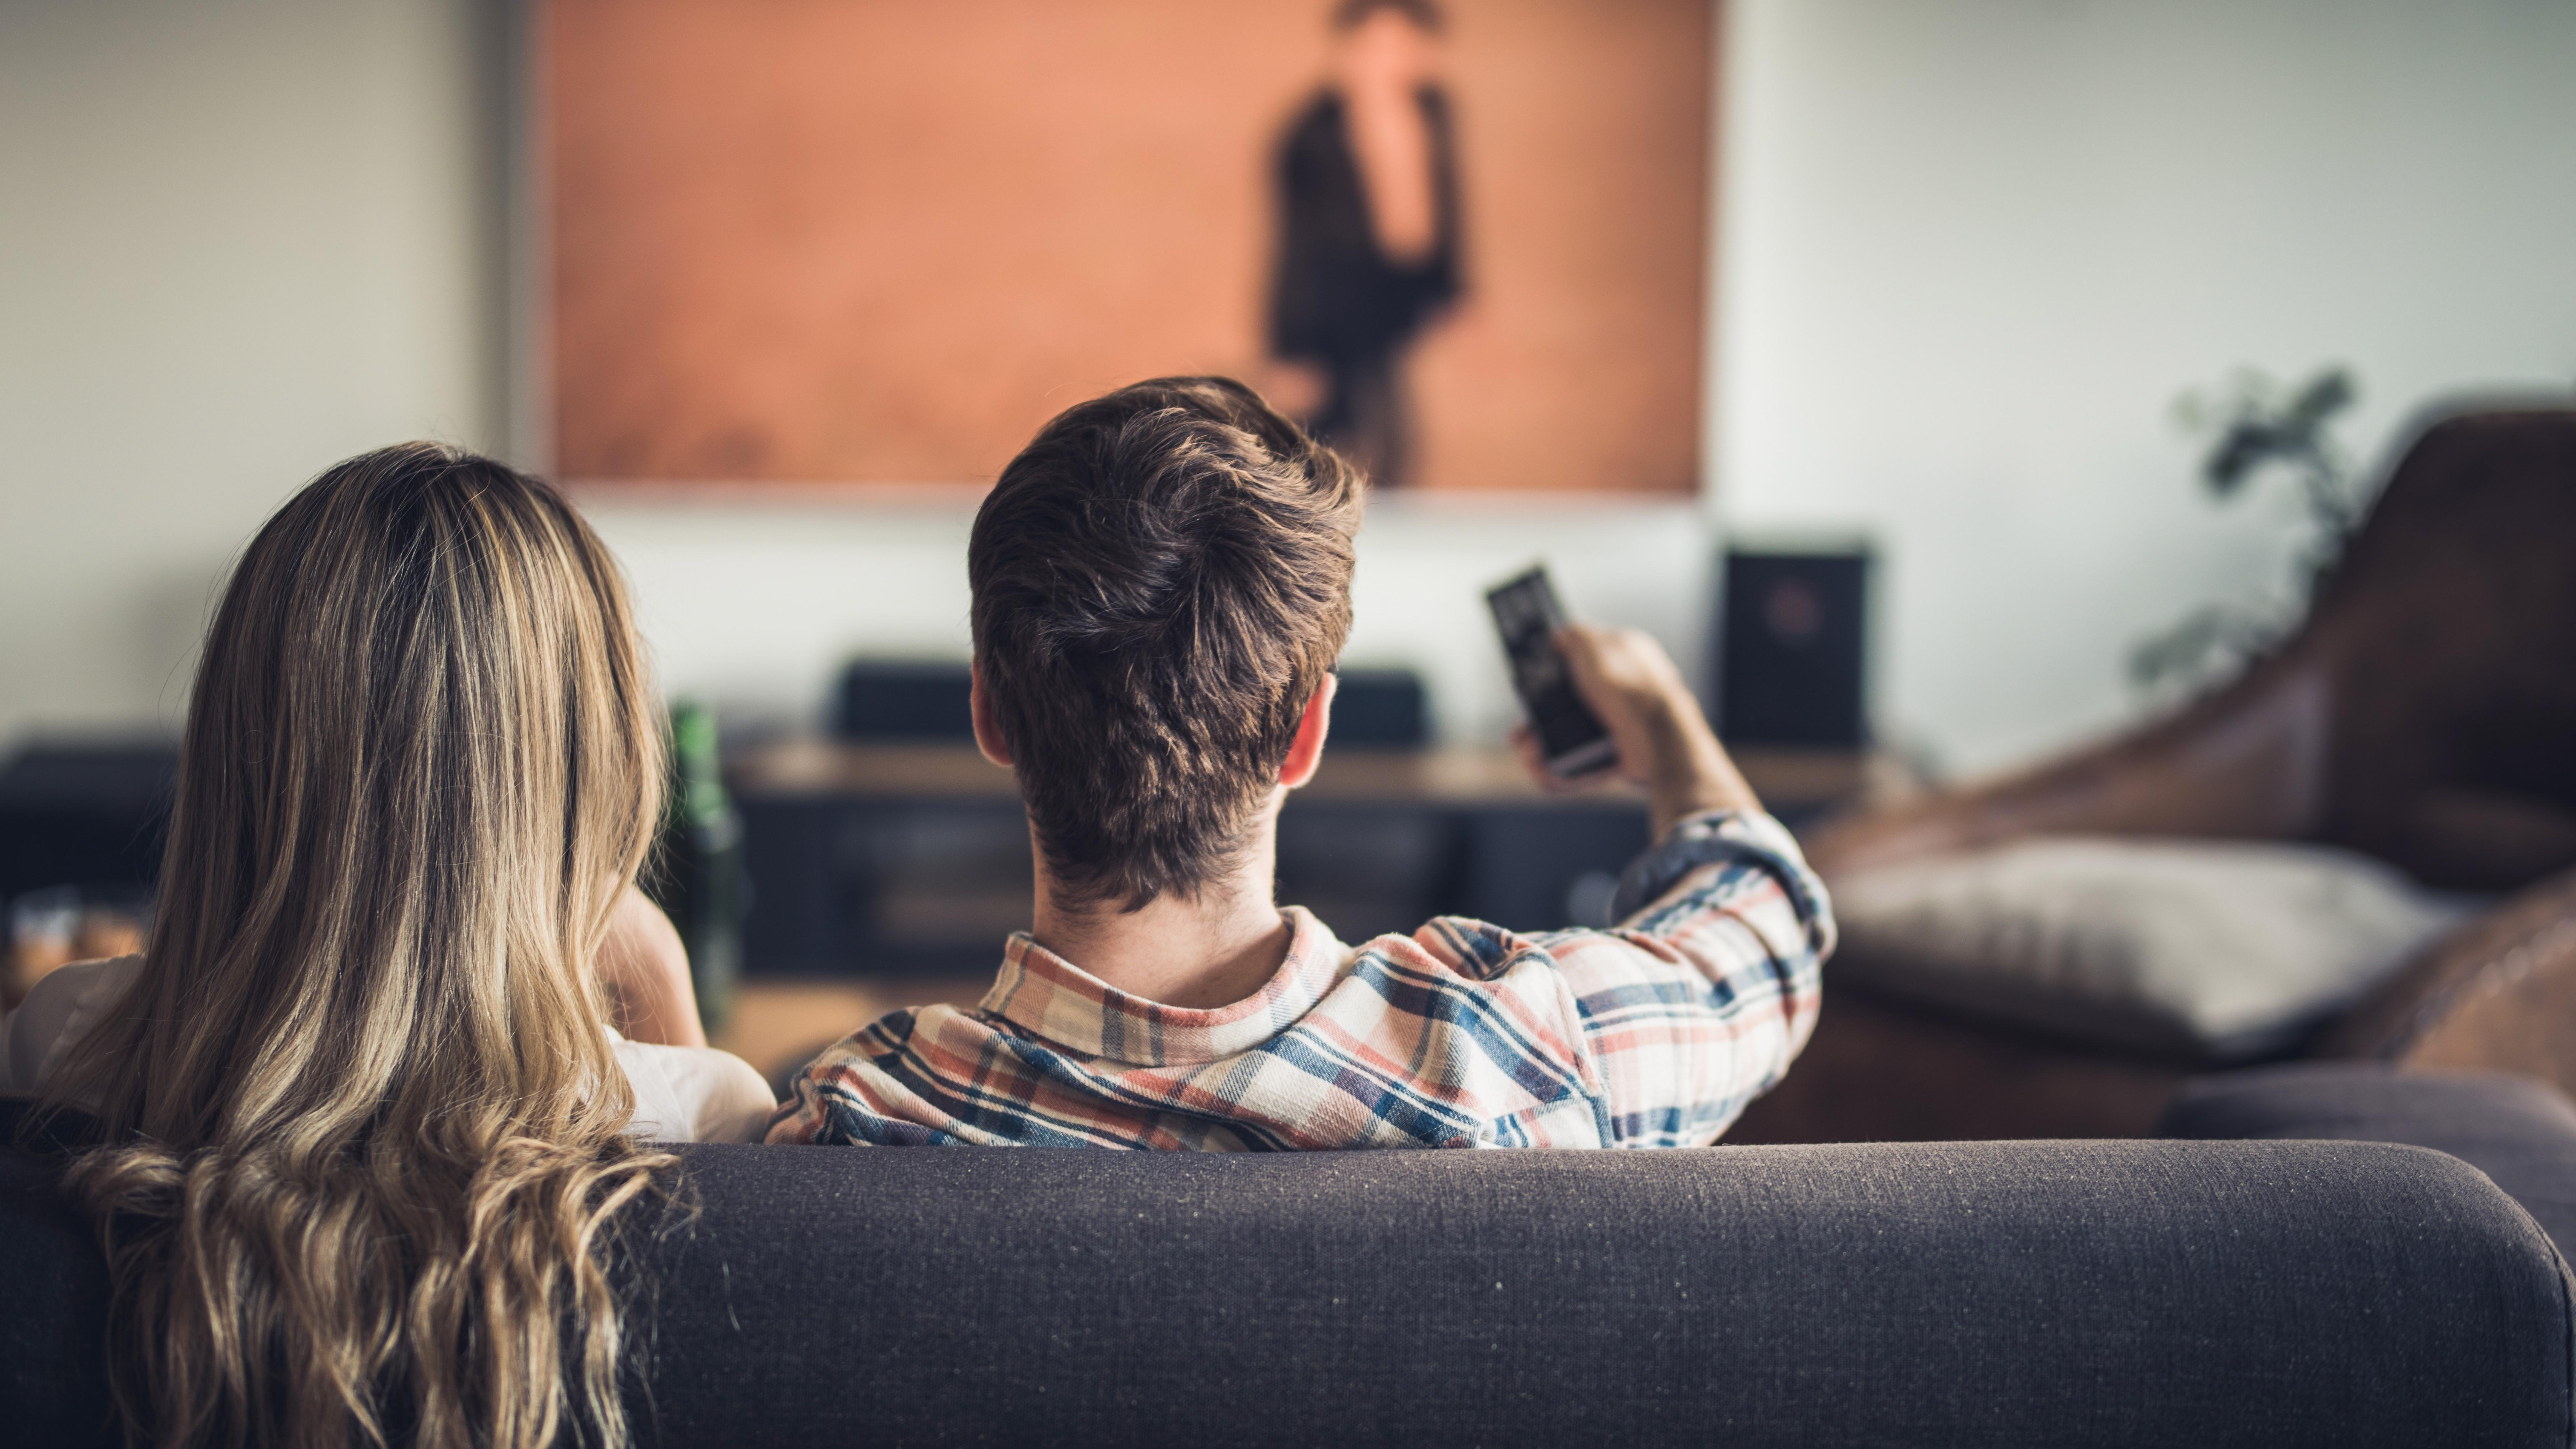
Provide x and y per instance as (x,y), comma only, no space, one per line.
(1477,950)
(1458,971)
(1484,954)
(904,1029)
(861,1077)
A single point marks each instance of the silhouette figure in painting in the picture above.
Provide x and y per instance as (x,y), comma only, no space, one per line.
(1367,180)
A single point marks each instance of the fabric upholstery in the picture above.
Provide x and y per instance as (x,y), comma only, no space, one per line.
(2203,1294)
(2211,950)
(53,1312)
(2519,1132)
(2048,1293)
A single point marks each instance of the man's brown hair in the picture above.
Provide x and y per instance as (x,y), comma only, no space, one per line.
(1162,580)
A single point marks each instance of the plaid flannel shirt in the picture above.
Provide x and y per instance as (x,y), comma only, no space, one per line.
(1655,1034)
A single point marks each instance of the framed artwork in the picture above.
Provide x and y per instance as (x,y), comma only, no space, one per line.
(869,241)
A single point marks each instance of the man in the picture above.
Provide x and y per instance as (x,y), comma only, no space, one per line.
(1161,585)
(1367,183)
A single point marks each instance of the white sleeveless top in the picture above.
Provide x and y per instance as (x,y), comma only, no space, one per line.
(682,1094)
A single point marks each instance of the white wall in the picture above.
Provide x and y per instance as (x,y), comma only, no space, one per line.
(243,239)
(1971,250)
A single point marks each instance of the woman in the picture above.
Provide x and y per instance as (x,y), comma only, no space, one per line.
(1368,251)
(366,1121)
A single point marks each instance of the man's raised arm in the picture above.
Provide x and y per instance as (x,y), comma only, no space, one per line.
(1709,986)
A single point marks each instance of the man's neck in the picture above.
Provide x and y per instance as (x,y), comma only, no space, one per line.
(1209,950)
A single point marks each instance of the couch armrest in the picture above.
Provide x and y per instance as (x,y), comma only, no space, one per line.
(2520,1133)
(2496,995)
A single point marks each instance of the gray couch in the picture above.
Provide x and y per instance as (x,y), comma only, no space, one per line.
(2033,1293)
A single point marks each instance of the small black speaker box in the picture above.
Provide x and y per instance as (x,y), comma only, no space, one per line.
(1381,708)
(1791,649)
(900,700)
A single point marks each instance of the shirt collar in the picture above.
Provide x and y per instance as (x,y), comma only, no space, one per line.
(1050,997)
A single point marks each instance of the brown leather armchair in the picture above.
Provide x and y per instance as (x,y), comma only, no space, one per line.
(2425,714)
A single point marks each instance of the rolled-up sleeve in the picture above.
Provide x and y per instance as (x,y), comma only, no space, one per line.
(1697,1002)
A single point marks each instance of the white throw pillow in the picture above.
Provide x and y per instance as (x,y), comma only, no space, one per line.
(2218,950)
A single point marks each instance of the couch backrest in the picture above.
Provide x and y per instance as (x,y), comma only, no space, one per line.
(2026,1293)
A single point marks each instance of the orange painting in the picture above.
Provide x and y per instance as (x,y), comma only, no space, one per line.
(868,241)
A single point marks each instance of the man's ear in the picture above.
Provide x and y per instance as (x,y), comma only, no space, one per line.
(988,735)
(1306,751)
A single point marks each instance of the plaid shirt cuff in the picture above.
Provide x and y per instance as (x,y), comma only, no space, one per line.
(1717,837)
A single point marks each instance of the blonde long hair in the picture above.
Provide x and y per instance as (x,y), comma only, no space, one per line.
(365,1127)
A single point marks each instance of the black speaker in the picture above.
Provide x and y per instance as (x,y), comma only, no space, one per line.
(1381,708)
(1791,649)
(895,699)
(85,813)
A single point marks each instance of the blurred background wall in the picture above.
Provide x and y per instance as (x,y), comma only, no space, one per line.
(1973,249)
(1968,251)
(241,239)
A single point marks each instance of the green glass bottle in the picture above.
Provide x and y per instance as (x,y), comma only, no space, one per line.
(697,876)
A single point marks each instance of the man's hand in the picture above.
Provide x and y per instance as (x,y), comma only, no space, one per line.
(646,971)
(1664,742)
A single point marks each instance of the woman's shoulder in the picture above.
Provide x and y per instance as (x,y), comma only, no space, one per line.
(694,1094)
(58,1009)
